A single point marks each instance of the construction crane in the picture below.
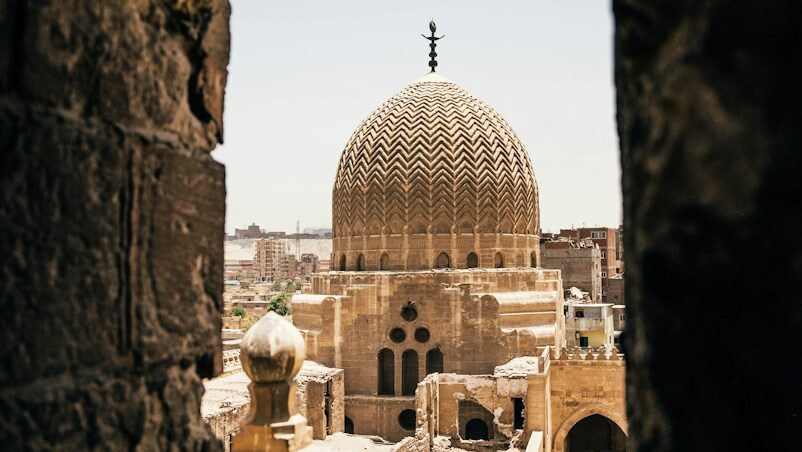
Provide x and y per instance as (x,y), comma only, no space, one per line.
(298,241)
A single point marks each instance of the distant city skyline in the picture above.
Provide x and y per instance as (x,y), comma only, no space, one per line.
(291,106)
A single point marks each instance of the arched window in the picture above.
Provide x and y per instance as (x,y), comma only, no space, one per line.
(360,262)
(409,372)
(384,262)
(434,361)
(349,425)
(386,372)
(342,263)
(473,260)
(499,260)
(476,429)
(443,261)
(533,260)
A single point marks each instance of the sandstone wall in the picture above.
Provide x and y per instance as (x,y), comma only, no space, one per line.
(379,415)
(111,214)
(463,321)
(581,388)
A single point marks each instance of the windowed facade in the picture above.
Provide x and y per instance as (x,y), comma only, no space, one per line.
(598,234)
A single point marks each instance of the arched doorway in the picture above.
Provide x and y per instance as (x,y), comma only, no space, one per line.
(533,260)
(386,364)
(360,262)
(349,425)
(342,263)
(476,429)
(384,262)
(434,361)
(473,260)
(409,372)
(475,421)
(596,433)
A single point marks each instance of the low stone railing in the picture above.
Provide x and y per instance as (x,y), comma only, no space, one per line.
(271,355)
(231,361)
(601,353)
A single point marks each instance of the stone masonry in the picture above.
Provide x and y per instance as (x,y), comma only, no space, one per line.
(111,215)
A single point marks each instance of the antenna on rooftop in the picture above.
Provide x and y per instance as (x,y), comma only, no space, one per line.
(298,241)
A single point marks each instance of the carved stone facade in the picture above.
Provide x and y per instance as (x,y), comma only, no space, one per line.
(436,239)
(434,170)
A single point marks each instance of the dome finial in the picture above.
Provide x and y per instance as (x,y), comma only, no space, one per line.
(432,44)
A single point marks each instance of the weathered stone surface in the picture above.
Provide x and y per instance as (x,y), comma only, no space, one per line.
(708,112)
(111,213)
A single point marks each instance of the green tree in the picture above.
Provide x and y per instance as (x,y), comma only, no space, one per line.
(238,311)
(278,303)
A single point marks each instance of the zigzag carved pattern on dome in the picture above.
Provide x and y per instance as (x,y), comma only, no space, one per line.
(433,155)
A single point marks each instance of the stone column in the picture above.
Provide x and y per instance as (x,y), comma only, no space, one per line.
(111,221)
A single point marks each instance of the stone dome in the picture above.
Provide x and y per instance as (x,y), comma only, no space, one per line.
(434,171)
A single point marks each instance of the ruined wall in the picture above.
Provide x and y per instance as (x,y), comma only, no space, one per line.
(708,120)
(320,398)
(456,399)
(111,214)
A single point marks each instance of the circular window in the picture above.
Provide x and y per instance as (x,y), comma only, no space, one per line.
(398,335)
(406,419)
(422,335)
(409,313)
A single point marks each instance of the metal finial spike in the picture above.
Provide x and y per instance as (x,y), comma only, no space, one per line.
(432,44)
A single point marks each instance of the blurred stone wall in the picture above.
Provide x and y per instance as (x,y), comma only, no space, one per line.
(112,221)
(711,150)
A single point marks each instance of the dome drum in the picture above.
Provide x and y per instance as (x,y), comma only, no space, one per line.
(422,252)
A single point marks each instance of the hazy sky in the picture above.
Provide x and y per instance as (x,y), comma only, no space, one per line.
(303,74)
